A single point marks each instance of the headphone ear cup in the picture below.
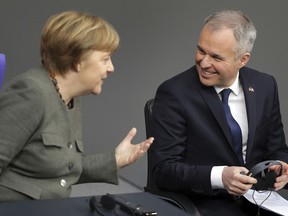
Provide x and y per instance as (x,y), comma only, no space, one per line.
(261,184)
(271,178)
(108,202)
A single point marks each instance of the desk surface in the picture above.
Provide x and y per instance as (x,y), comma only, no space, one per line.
(80,206)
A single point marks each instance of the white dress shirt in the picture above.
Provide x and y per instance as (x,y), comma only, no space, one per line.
(237,106)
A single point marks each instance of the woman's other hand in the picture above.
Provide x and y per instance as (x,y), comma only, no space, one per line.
(127,153)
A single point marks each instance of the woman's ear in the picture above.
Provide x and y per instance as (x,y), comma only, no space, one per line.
(78,66)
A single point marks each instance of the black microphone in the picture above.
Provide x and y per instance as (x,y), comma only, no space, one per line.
(109,202)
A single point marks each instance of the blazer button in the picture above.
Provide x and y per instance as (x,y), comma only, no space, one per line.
(63,182)
(70,166)
(70,145)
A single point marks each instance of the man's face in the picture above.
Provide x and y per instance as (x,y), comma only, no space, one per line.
(215,58)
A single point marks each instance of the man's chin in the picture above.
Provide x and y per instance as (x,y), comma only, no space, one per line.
(207,82)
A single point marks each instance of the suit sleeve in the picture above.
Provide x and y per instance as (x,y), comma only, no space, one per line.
(275,138)
(169,127)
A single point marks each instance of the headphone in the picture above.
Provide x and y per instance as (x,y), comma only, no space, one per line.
(109,202)
(106,201)
(265,177)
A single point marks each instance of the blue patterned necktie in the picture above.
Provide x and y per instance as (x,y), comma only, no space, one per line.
(233,125)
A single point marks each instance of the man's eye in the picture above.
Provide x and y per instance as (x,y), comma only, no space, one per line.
(201,52)
(217,58)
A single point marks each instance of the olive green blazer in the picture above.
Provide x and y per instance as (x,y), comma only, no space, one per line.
(41,149)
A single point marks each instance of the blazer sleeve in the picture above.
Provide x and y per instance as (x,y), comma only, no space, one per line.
(17,102)
(99,168)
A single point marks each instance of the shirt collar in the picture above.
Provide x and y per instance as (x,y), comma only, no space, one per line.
(235,87)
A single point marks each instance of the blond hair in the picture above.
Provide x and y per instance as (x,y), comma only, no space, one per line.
(69,36)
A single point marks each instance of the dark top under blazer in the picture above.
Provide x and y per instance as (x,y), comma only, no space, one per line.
(41,149)
(192,135)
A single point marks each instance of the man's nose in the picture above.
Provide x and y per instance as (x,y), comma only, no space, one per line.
(206,61)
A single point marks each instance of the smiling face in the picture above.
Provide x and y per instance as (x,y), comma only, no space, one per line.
(93,69)
(216,59)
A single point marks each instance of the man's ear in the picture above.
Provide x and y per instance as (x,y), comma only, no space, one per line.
(244,58)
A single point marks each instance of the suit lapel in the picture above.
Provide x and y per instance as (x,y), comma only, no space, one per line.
(214,103)
(250,100)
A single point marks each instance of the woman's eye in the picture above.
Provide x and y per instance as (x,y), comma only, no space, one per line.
(106,60)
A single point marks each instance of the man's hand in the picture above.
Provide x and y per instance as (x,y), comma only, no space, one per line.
(235,180)
(282,180)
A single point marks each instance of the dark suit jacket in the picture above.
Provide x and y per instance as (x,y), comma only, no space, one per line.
(192,135)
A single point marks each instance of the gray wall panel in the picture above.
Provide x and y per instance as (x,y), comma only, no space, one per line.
(158,40)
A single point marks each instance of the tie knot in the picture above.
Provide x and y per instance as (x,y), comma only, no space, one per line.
(225,94)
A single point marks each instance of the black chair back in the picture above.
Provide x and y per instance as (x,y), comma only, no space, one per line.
(178,199)
(147,114)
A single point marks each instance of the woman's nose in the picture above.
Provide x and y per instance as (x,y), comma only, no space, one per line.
(110,67)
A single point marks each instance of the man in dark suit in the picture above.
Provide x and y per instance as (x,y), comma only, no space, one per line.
(194,149)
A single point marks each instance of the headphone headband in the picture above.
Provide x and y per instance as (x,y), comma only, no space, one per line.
(258,168)
(265,177)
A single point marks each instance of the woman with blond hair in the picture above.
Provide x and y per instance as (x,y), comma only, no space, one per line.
(41,149)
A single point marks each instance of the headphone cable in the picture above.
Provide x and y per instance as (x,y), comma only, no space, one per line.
(259,206)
